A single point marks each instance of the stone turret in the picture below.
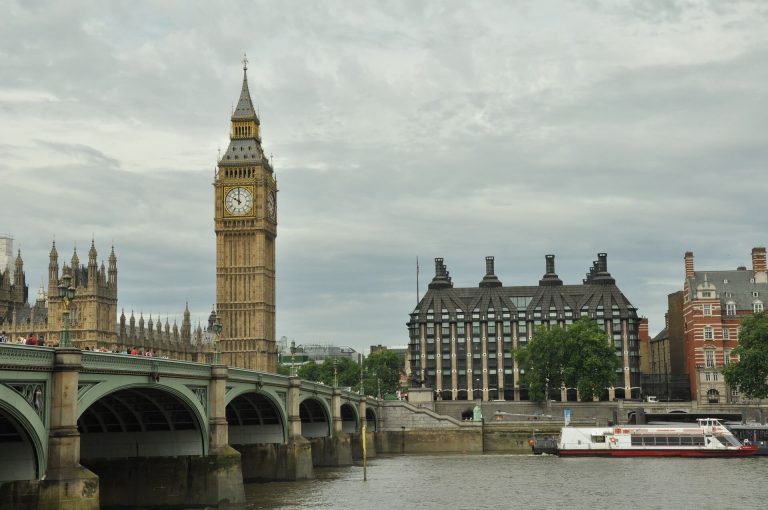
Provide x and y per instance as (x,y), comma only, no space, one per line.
(186,326)
(142,336)
(93,268)
(123,333)
(112,277)
(53,271)
(75,265)
(132,328)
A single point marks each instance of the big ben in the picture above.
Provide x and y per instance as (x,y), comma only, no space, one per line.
(246,227)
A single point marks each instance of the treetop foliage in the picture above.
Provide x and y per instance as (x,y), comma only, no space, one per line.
(750,374)
(580,357)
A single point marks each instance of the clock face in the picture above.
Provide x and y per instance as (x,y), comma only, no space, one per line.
(271,210)
(238,201)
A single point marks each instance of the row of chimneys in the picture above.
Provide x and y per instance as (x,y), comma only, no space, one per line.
(598,273)
(759,267)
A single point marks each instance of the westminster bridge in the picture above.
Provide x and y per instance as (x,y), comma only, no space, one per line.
(80,429)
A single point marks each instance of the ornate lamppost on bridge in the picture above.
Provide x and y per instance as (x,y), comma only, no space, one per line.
(293,358)
(335,372)
(66,293)
(217,341)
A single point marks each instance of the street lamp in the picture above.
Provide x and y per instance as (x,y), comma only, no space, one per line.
(66,293)
(335,372)
(293,358)
(217,345)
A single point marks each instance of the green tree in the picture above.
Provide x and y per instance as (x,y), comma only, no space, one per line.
(580,357)
(310,371)
(750,374)
(542,362)
(382,371)
(592,361)
(347,372)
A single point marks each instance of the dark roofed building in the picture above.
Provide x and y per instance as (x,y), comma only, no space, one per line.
(461,339)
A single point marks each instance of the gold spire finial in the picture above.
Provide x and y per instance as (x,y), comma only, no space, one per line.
(245,62)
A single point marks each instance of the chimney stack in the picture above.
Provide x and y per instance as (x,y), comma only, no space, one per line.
(442,279)
(550,277)
(550,264)
(689,264)
(758,265)
(602,259)
(438,267)
(490,279)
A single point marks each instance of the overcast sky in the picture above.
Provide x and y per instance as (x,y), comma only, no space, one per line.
(449,129)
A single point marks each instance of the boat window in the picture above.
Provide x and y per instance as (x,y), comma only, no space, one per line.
(598,439)
(637,441)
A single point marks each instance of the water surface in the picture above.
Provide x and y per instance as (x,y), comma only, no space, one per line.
(525,482)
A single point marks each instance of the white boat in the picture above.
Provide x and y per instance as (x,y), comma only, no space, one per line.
(706,438)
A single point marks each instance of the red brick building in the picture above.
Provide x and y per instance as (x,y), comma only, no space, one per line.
(713,304)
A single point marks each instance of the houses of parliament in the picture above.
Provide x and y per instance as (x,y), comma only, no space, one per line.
(245,224)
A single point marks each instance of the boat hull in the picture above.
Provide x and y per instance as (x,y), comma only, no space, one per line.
(658,452)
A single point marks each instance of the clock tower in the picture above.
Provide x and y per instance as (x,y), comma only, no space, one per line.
(245,212)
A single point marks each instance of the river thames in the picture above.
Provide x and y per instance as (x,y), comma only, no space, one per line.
(526,482)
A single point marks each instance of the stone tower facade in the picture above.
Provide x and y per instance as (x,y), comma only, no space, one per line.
(245,214)
(94,308)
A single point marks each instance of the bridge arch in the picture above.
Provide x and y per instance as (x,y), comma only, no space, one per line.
(25,438)
(350,421)
(315,418)
(255,417)
(142,420)
(371,420)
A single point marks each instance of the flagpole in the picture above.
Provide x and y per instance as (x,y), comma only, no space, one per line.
(365,450)
(417,280)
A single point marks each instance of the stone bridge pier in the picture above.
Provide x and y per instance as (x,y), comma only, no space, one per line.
(67,484)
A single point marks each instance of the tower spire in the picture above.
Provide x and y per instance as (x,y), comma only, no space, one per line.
(244,110)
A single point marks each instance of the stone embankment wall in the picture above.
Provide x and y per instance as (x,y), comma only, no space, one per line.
(406,428)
